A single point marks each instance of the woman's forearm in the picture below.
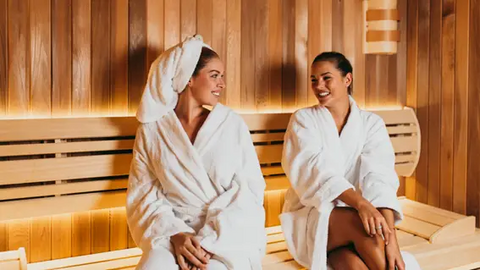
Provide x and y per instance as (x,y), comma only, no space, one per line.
(352,198)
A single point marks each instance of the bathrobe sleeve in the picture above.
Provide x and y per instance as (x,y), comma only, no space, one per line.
(378,179)
(238,225)
(149,214)
(311,169)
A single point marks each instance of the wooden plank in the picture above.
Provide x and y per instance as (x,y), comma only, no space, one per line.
(260,17)
(460,148)
(277,121)
(155,29)
(434,100)
(276,258)
(397,116)
(405,144)
(61,57)
(473,178)
(64,188)
(423,68)
(403,130)
(137,53)
(172,20)
(61,236)
(274,238)
(3,57)
(275,183)
(100,230)
(233,57)
(81,233)
(288,59)
(424,207)
(274,55)
(31,171)
(119,57)
(118,229)
(401,58)
(41,239)
(3,236)
(276,247)
(19,236)
(447,104)
(338,26)
(219,26)
(314,42)
(205,19)
(247,84)
(301,53)
(44,129)
(273,207)
(61,205)
(269,153)
(81,56)
(18,59)
(131,242)
(68,147)
(412,57)
(41,62)
(101,96)
(272,170)
(411,241)
(188,22)
(418,227)
(268,137)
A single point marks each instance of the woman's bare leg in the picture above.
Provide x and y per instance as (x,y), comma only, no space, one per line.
(346,228)
(346,258)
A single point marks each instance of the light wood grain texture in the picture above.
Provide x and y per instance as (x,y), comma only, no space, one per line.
(41,235)
(61,236)
(3,56)
(81,233)
(118,64)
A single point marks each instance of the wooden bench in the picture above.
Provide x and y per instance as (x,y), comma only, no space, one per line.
(57,166)
(13,260)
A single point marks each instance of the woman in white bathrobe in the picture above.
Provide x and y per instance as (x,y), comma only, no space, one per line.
(342,207)
(195,192)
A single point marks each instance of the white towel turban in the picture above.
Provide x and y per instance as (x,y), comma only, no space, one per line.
(168,77)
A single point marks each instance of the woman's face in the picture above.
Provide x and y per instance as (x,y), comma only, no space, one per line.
(208,84)
(328,84)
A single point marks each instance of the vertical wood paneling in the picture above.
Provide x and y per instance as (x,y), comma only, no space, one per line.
(447,104)
(473,179)
(422,96)
(3,236)
(274,50)
(359,71)
(262,72)
(100,231)
(412,57)
(155,30)
(3,56)
(314,42)
(233,53)
(247,82)
(41,236)
(40,50)
(61,57)
(81,56)
(118,229)
(434,100)
(337,25)
(219,25)
(18,234)
(137,53)
(288,56)
(101,96)
(401,58)
(301,53)
(204,19)
(172,23)
(18,58)
(188,13)
(81,234)
(462,19)
(61,236)
(119,56)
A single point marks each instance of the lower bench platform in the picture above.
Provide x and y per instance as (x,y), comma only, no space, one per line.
(437,238)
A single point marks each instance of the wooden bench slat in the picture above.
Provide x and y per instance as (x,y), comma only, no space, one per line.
(276,247)
(418,227)
(277,121)
(60,205)
(404,116)
(274,238)
(428,208)
(405,144)
(276,258)
(276,183)
(269,153)
(401,129)
(52,169)
(268,137)
(66,128)
(64,188)
(67,147)
(272,170)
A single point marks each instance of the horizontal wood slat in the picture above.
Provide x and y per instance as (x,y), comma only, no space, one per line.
(383,14)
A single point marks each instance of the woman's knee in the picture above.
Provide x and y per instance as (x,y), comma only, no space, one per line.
(345,258)
(158,258)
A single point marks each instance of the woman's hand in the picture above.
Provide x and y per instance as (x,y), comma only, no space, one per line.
(207,255)
(373,221)
(394,257)
(188,252)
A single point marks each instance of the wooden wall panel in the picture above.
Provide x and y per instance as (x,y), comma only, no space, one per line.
(3,57)
(61,236)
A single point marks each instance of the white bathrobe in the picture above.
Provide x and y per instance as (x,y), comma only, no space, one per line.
(321,165)
(213,188)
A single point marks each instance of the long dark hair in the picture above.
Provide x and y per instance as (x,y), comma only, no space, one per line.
(206,55)
(341,63)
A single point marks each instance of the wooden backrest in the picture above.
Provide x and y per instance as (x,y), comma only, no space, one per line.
(54,166)
(13,260)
